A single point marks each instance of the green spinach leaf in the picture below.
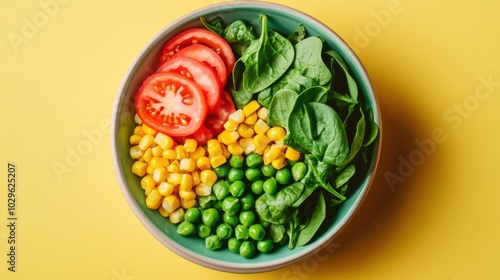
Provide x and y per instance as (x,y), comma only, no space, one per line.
(279,208)
(317,216)
(351,83)
(280,108)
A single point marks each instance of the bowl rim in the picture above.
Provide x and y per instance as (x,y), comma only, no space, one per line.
(191,255)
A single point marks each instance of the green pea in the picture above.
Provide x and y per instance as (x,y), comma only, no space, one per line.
(237,188)
(192,215)
(210,216)
(204,231)
(207,201)
(186,228)
(277,232)
(236,161)
(231,220)
(221,189)
(222,171)
(254,160)
(256,232)
(213,242)
(257,187)
(253,174)
(218,205)
(283,176)
(231,205)
(241,232)
(247,202)
(247,218)
(291,162)
(270,186)
(234,244)
(247,249)
(299,170)
(265,245)
(268,170)
(235,174)
(224,231)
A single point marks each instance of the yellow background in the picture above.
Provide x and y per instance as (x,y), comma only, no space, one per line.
(432,213)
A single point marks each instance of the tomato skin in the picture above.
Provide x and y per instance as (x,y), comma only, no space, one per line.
(208,57)
(199,73)
(215,119)
(171,103)
(199,36)
(202,135)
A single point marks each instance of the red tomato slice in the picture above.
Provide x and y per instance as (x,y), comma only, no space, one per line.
(199,36)
(202,135)
(171,103)
(198,72)
(208,57)
(216,119)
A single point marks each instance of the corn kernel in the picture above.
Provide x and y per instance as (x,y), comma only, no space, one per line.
(146,142)
(188,203)
(163,212)
(276,133)
(148,184)
(157,151)
(272,153)
(139,168)
(217,161)
(181,152)
(196,177)
(235,149)
(190,145)
(199,152)
(177,216)
(137,120)
(154,199)
(247,145)
(186,182)
(260,141)
(225,152)
(292,154)
(149,130)
(173,167)
(160,174)
(203,189)
(237,116)
(139,131)
(260,127)
(245,131)
(165,188)
(148,155)
(208,177)
(169,154)
(228,137)
(251,107)
(159,162)
(188,195)
(135,139)
(263,113)
(251,119)
(187,165)
(150,170)
(230,125)
(174,178)
(215,151)
(171,203)
(136,152)
(203,163)
(164,141)
(280,162)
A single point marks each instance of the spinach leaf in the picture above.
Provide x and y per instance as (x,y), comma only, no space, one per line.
(240,36)
(266,59)
(279,208)
(314,222)
(216,25)
(280,108)
(351,83)
(344,176)
(371,129)
(298,35)
(357,141)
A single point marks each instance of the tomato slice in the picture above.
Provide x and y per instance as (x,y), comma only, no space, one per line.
(216,119)
(199,36)
(202,135)
(208,57)
(171,103)
(199,73)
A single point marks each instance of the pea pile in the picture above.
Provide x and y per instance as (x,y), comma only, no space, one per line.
(227,217)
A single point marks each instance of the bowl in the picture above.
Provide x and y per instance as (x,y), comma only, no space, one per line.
(282,19)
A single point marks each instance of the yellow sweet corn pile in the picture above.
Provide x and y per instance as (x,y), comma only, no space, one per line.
(173,175)
(246,132)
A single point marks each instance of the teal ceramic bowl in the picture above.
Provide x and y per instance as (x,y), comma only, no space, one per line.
(280,18)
